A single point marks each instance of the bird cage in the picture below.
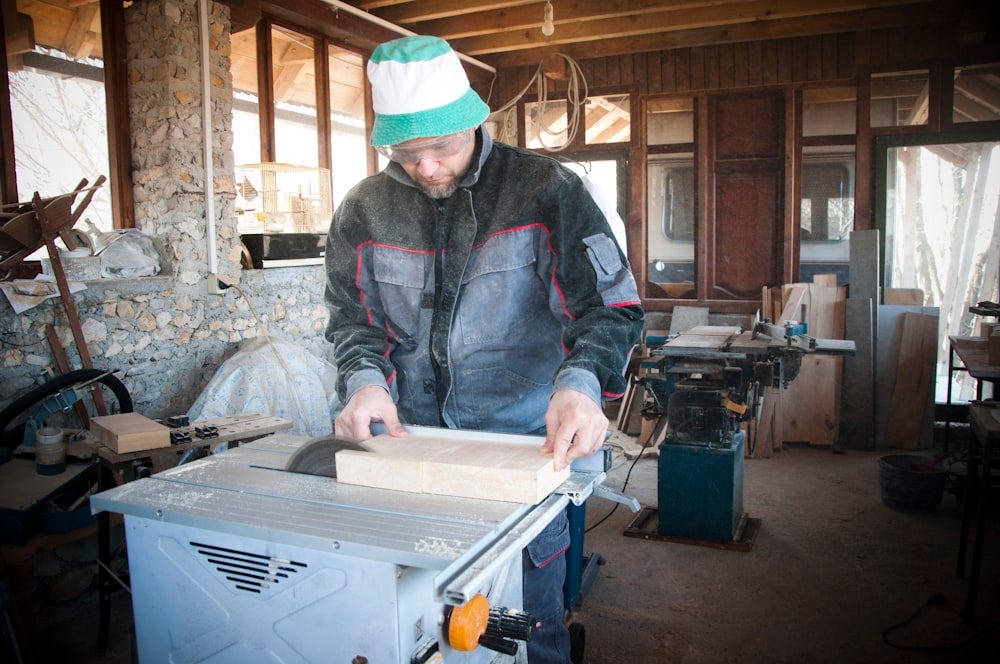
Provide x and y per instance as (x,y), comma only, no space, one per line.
(283,198)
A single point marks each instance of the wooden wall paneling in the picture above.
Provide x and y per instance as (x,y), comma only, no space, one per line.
(747,219)
(668,72)
(625,69)
(814,59)
(614,72)
(749,125)
(697,65)
(800,60)
(711,68)
(769,62)
(727,64)
(895,46)
(654,71)
(878,48)
(640,73)
(846,55)
(786,59)
(741,73)
(755,65)
(828,48)
(682,62)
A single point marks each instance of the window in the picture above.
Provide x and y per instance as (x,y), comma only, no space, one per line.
(977,94)
(671,223)
(608,119)
(899,99)
(297,157)
(58,109)
(546,124)
(670,197)
(348,134)
(829,111)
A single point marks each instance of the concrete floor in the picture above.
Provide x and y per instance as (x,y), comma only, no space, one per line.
(830,570)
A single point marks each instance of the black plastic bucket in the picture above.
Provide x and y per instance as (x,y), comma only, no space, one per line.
(911,483)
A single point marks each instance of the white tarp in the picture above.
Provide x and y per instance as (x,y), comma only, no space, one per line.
(277,377)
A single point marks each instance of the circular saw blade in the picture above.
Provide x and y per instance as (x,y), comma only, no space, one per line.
(318,456)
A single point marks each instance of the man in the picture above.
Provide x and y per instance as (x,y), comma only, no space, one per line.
(475,285)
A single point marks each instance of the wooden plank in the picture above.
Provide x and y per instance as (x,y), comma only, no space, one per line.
(914,296)
(129,432)
(488,470)
(914,378)
(888,339)
(812,400)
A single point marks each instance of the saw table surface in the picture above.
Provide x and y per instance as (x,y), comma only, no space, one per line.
(245,492)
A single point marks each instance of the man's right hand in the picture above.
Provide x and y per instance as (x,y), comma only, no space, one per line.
(367,405)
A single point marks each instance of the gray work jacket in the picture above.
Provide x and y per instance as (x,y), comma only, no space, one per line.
(472,309)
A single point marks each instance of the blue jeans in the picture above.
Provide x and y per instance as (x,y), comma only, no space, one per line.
(543,564)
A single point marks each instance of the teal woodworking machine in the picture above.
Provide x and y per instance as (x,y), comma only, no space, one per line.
(704,394)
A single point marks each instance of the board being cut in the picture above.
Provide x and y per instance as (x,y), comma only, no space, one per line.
(486,469)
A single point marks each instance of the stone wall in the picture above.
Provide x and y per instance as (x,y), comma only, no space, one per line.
(166,339)
(165,106)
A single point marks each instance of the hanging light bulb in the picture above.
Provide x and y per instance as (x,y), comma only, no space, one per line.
(547,26)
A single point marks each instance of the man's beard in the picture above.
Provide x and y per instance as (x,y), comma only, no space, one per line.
(440,191)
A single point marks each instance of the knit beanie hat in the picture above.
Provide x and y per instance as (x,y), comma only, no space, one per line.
(419,89)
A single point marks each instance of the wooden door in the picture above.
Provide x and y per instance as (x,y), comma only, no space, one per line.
(746,210)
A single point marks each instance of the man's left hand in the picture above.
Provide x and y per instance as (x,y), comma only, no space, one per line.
(576,427)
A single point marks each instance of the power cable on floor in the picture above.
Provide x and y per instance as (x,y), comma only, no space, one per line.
(935,599)
(625,484)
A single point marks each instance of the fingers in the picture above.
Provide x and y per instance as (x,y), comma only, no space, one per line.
(367,405)
(575,427)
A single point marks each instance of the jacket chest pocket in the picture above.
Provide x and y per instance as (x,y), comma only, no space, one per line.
(401,277)
(501,290)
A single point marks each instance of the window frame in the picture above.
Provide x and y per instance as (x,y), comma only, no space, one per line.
(116,101)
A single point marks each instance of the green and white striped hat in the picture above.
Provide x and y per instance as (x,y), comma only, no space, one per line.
(419,90)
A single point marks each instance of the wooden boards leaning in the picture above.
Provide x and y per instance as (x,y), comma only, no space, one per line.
(129,432)
(485,469)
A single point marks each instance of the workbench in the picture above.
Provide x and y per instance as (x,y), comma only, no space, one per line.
(985,421)
(973,354)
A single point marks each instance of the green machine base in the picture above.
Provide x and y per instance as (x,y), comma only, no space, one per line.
(700,489)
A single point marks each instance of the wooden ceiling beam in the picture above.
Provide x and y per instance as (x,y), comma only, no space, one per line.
(407,13)
(979,91)
(757,13)
(80,38)
(890,17)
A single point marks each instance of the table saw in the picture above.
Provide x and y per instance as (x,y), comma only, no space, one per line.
(233,559)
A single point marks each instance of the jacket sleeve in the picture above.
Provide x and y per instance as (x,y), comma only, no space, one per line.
(357,327)
(598,294)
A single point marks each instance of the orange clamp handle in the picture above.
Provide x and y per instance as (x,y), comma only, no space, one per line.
(467,623)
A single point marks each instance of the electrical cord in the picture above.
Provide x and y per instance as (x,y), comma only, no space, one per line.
(575,82)
(625,484)
(937,599)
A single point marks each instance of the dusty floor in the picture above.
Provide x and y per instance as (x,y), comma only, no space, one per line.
(830,570)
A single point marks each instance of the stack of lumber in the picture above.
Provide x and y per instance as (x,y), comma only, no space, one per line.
(808,410)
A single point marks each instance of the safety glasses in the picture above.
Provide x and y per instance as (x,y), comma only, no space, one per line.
(437,149)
